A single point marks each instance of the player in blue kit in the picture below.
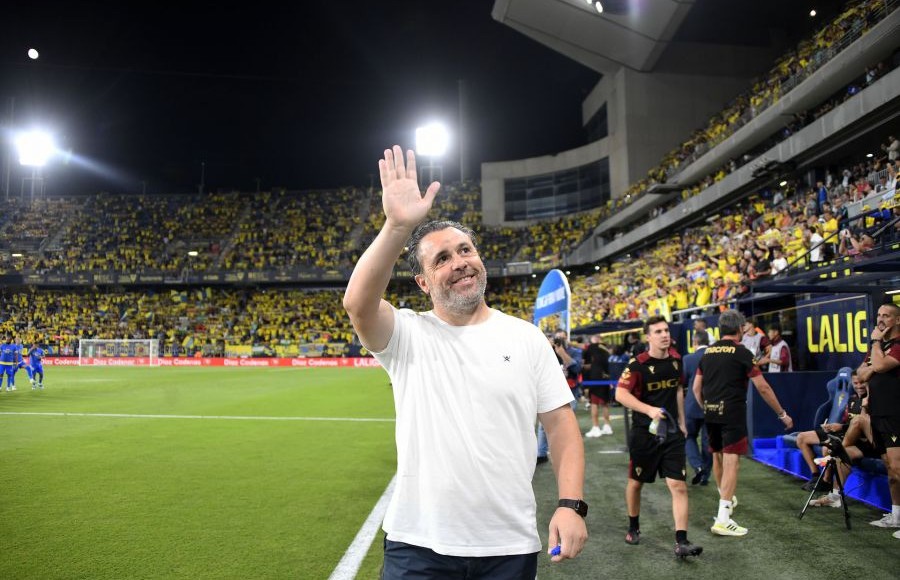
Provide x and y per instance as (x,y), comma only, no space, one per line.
(36,366)
(10,357)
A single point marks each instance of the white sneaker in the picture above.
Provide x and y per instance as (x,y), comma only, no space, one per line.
(827,500)
(896,534)
(607,430)
(729,528)
(887,521)
(594,432)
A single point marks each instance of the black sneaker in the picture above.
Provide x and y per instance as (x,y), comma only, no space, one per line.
(822,485)
(685,549)
(633,537)
(698,477)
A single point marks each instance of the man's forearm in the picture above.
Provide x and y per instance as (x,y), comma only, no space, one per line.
(865,371)
(568,460)
(372,273)
(768,395)
(627,399)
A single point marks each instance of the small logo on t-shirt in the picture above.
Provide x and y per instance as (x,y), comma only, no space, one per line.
(506,358)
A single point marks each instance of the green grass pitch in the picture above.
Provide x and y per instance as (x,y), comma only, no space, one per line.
(125,497)
(236,475)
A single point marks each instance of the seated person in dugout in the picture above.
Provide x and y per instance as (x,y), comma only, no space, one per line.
(857,442)
(807,439)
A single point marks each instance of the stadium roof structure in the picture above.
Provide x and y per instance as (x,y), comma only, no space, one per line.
(636,34)
(629,34)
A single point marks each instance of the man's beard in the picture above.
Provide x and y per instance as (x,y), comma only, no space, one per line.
(461,302)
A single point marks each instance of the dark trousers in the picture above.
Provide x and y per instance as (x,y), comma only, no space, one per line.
(698,457)
(405,561)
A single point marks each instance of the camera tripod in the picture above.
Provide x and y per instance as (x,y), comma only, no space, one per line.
(838,456)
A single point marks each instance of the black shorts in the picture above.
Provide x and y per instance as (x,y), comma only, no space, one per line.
(867,449)
(599,395)
(728,437)
(647,458)
(886,431)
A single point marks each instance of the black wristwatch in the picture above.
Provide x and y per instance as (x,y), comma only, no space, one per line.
(579,506)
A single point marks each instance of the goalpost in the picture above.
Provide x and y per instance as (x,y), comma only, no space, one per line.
(112,351)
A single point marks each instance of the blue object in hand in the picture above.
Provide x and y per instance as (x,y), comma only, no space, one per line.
(555,551)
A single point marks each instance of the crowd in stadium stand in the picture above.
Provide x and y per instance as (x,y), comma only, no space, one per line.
(787,72)
(209,321)
(313,230)
(703,267)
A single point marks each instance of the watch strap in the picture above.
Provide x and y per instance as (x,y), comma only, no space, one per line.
(580,507)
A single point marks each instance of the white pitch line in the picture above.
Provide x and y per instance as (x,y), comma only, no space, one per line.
(222,417)
(353,557)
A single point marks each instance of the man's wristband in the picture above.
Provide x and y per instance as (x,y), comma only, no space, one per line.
(782,415)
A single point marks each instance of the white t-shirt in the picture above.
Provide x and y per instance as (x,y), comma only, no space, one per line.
(815,254)
(466,399)
(779,264)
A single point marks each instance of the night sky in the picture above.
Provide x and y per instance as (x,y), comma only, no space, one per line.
(301,94)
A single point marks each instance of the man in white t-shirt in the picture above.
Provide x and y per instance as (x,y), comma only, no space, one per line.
(816,241)
(468,383)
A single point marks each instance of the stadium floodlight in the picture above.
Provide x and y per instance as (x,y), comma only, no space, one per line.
(432,140)
(35,148)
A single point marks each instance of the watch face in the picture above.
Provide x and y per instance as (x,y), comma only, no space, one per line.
(582,508)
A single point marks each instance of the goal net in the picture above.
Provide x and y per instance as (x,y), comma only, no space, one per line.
(114,351)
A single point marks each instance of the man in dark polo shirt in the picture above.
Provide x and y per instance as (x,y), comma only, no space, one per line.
(881,369)
(651,386)
(721,387)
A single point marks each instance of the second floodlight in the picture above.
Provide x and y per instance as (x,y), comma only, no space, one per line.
(35,148)
(432,140)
